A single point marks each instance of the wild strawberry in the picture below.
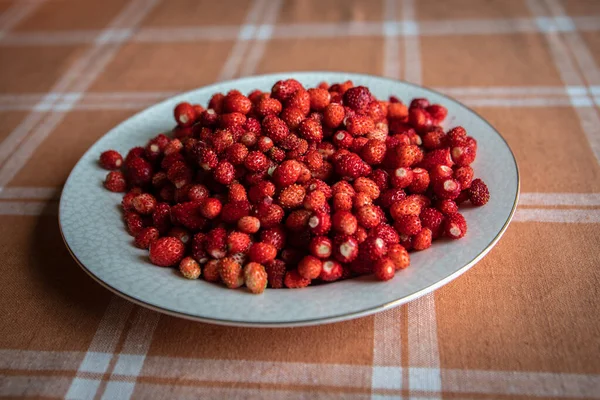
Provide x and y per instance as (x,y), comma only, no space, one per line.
(361,234)
(179,233)
(146,237)
(436,157)
(231,121)
(464,176)
(405,207)
(446,206)
(136,152)
(127,201)
(342,202)
(268,106)
(351,166)
(207,159)
(422,240)
(358,143)
(399,256)
(294,280)
(397,111)
(317,184)
(287,173)
(198,193)
(299,100)
(433,139)
(269,215)
(344,222)
(224,172)
(373,248)
(184,114)
(419,103)
(210,271)
(115,182)
(479,193)
(159,179)
(292,196)
(248,224)
(315,201)
(161,217)
(361,199)
(237,192)
(408,224)
(156,146)
(238,242)
(440,173)
(320,247)
(419,118)
(264,144)
(256,161)
(433,220)
(255,277)
(456,136)
(408,155)
(345,248)
(455,226)
(282,90)
(275,273)
(188,215)
(262,252)
(111,159)
(231,273)
(310,267)
(261,191)
(167,193)
(319,223)
(144,203)
(342,139)
(331,271)
(291,116)
(377,110)
(369,216)
(319,99)
(359,125)
(373,152)
(237,103)
(384,269)
(134,223)
(438,113)
(216,102)
(216,243)
(189,268)
(358,98)
(447,189)
(366,186)
(180,174)
(462,155)
(199,247)
(275,236)
(210,208)
(462,197)
(166,251)
(310,130)
(333,115)
(386,232)
(420,181)
(138,172)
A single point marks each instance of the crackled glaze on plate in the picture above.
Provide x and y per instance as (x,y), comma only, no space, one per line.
(91,224)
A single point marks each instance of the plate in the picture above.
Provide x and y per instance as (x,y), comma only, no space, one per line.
(92,228)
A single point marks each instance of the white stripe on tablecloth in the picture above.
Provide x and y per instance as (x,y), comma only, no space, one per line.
(15,14)
(559,199)
(557,215)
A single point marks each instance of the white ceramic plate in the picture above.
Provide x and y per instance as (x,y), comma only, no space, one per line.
(90,220)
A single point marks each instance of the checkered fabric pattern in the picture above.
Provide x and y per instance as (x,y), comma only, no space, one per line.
(521,324)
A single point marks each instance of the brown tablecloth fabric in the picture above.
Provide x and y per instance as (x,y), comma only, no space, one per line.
(523,323)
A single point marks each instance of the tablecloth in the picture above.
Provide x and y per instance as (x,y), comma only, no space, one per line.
(523,323)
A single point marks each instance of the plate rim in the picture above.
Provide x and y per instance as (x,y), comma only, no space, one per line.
(321,320)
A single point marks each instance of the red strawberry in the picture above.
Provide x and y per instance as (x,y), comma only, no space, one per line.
(161,217)
(366,186)
(224,172)
(358,98)
(292,196)
(310,130)
(373,152)
(399,256)
(138,172)
(391,196)
(216,243)
(320,247)
(300,100)
(351,166)
(331,271)
(199,248)
(408,155)
(115,182)
(422,240)
(436,157)
(361,199)
(179,233)
(238,242)
(255,277)
(433,220)
(464,176)
(268,106)
(319,98)
(262,252)
(447,189)
(463,155)
(359,125)
(369,216)
(420,181)
(447,206)
(166,251)
(275,236)
(211,271)
(342,202)
(440,172)
(230,272)
(333,115)
(344,222)
(144,203)
(292,118)
(310,267)
(188,215)
(319,223)
(373,248)
(111,159)
(233,211)
(275,273)
(408,206)
(248,224)
(361,234)
(397,111)
(408,224)
(210,208)
(146,237)
(294,280)
(455,226)
(282,90)
(261,191)
(434,139)
(384,269)
(184,114)
(237,103)
(479,193)
(190,268)
(386,232)
(269,215)
(345,248)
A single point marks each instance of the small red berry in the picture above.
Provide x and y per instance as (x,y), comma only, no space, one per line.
(420,181)
(190,268)
(455,226)
(464,176)
(345,248)
(422,240)
(184,114)
(231,273)
(166,251)
(369,216)
(248,224)
(447,189)
(275,273)
(262,252)
(146,237)
(256,277)
(256,161)
(447,206)
(144,203)
(320,247)
(331,271)
(399,256)
(138,172)
(433,220)
(115,182)
(310,267)
(384,269)
(344,222)
(310,130)
(319,99)
(319,223)
(294,280)
(211,271)
(408,224)
(479,193)
(238,242)
(210,208)
(111,159)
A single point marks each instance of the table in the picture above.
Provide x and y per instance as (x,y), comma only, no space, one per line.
(522,324)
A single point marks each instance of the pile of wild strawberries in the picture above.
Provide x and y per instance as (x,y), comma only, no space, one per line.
(296,186)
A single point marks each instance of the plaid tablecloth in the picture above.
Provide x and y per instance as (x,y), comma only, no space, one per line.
(522,324)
